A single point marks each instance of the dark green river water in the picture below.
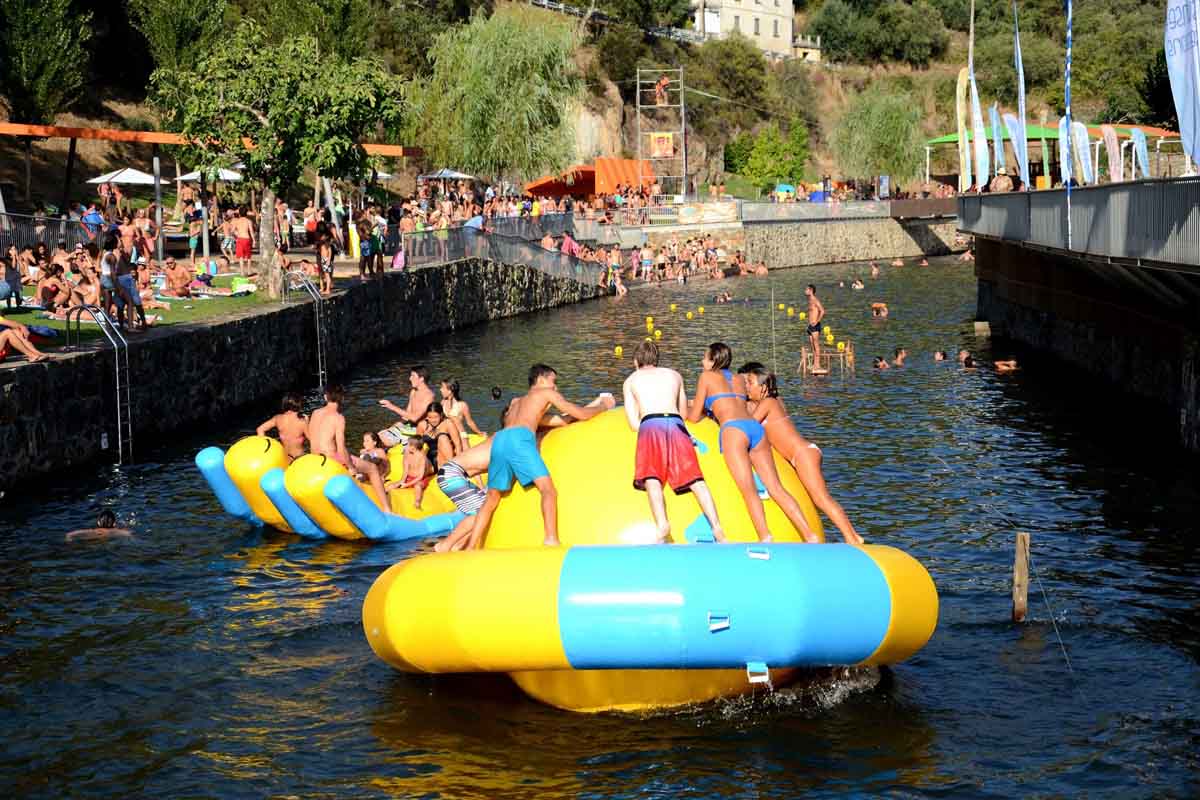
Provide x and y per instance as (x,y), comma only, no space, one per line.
(204,658)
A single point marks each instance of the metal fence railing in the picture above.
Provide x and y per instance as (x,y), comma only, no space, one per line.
(436,248)
(532,228)
(23,231)
(1153,220)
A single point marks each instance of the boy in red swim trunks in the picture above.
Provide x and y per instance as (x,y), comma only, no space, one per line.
(654,404)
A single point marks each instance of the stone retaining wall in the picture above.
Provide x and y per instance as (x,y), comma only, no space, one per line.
(1063,306)
(53,415)
(795,244)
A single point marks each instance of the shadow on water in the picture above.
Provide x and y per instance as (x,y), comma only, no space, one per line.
(207,658)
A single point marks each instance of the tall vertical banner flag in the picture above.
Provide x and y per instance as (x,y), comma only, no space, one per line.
(1180,40)
(1140,153)
(1064,151)
(1019,141)
(964,151)
(1015,135)
(997,138)
(1112,149)
(1082,148)
(1064,127)
(978,136)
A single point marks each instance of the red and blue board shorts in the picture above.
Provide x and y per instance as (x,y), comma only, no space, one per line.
(665,453)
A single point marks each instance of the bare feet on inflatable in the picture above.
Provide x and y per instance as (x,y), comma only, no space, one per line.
(551,542)
(719,536)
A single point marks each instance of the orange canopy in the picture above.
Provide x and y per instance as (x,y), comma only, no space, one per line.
(578,180)
(614,172)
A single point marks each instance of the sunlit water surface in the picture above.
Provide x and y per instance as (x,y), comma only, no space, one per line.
(204,658)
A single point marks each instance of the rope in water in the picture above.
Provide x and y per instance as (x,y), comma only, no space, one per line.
(1053,621)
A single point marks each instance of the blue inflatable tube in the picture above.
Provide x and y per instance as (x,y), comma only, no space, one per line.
(300,522)
(344,492)
(211,463)
(714,607)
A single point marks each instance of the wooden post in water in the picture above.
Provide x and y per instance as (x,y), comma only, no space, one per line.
(1020,588)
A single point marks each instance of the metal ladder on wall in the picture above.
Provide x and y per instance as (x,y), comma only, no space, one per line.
(121,385)
(299,281)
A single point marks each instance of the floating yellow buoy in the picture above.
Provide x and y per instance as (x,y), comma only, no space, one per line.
(618,350)
(700,309)
(829,339)
(791,311)
(657,334)
(781,306)
(647,338)
(827,330)
(803,315)
(689,315)
(841,346)
(672,306)
(649,320)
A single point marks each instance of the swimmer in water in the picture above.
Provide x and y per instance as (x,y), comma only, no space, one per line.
(899,355)
(496,392)
(963,355)
(291,425)
(881,363)
(939,355)
(106,528)
(898,262)
(874,270)
(879,310)
(969,363)
(1008,365)
(803,455)
(858,284)
(924,262)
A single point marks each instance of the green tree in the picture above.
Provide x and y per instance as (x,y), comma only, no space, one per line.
(797,142)
(996,74)
(619,50)
(43,61)
(1155,90)
(175,32)
(737,152)
(498,100)
(837,24)
(730,75)
(768,159)
(294,117)
(647,13)
(880,134)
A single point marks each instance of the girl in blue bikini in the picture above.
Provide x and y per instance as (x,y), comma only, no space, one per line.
(743,442)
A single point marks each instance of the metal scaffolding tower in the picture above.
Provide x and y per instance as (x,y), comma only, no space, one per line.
(662,129)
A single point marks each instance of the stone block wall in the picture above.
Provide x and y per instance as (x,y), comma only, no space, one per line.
(54,414)
(1089,317)
(795,244)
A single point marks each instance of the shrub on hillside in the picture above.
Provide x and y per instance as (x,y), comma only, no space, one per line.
(890,31)
(996,74)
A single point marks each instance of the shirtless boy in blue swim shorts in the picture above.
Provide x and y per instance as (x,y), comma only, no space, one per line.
(515,455)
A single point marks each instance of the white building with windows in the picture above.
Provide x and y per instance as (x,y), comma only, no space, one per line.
(767,23)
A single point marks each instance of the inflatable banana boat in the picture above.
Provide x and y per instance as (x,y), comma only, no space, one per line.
(600,624)
(315,496)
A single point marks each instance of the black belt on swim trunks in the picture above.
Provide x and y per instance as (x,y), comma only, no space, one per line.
(661,416)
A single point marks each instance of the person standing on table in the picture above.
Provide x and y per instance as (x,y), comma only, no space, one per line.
(515,455)
(816,315)
(654,404)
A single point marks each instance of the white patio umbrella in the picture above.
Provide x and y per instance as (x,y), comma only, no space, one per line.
(446,174)
(126,175)
(222,174)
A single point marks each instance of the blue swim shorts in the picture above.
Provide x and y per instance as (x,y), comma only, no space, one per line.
(515,456)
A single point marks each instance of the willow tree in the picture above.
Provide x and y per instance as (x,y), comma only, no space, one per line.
(880,134)
(277,108)
(498,102)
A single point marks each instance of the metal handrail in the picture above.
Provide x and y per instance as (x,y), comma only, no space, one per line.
(120,346)
(295,280)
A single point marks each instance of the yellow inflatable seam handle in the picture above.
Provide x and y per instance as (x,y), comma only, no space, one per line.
(914,605)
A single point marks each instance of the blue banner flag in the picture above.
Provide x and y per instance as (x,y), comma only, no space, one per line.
(1064,151)
(1141,154)
(1083,152)
(1019,141)
(997,138)
(1180,41)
